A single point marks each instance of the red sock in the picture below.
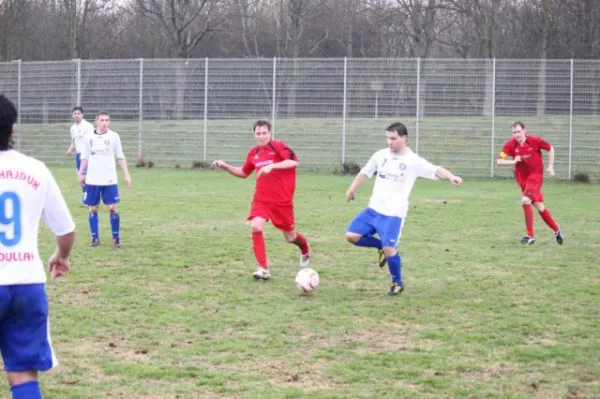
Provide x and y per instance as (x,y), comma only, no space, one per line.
(547,217)
(301,242)
(528,219)
(259,248)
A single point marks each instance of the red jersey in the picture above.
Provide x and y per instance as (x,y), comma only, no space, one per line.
(278,186)
(532,161)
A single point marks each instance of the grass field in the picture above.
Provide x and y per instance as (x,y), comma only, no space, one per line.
(175,312)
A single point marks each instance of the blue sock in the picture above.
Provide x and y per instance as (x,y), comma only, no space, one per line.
(28,390)
(395,267)
(93,219)
(369,242)
(115,223)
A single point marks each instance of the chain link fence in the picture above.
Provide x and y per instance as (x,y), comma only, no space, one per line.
(333,112)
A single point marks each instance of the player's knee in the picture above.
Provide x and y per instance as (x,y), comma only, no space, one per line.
(389,251)
(539,206)
(352,237)
(526,200)
(257,226)
(289,236)
(112,208)
(21,377)
(93,209)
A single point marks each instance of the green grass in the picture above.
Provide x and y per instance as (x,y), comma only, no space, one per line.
(175,312)
(461,143)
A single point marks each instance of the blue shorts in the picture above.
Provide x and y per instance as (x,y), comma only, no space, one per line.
(24,330)
(369,222)
(109,195)
(78,162)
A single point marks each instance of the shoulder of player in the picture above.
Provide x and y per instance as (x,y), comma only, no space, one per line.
(252,151)
(33,165)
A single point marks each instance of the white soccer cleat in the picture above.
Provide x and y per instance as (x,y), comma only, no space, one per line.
(261,274)
(305,261)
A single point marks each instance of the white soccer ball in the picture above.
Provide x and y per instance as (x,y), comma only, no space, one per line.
(307,280)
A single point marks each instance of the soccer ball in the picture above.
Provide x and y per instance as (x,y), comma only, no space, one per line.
(307,280)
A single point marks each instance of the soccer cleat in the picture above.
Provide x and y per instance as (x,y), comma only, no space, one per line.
(305,261)
(382,258)
(559,237)
(528,240)
(95,242)
(395,289)
(117,242)
(261,274)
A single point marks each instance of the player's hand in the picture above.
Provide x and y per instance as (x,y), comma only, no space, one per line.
(265,170)
(128,181)
(550,171)
(81,179)
(456,181)
(58,265)
(517,159)
(350,195)
(219,164)
(69,151)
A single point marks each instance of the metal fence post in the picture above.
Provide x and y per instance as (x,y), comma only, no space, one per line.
(205,128)
(418,112)
(274,96)
(141,109)
(19,112)
(571,121)
(78,102)
(493,163)
(344,110)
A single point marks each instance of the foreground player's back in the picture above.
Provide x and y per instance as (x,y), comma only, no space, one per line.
(28,192)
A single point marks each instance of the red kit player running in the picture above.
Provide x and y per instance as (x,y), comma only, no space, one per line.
(275,164)
(529,173)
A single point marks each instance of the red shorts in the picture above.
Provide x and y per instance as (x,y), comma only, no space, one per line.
(282,216)
(532,188)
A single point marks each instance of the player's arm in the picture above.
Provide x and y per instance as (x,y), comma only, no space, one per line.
(85,153)
(444,173)
(118,149)
(242,172)
(71,145)
(365,173)
(59,220)
(544,145)
(507,151)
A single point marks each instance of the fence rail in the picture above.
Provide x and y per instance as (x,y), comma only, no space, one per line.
(331,111)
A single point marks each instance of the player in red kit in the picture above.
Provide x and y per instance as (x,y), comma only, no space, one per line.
(529,173)
(275,164)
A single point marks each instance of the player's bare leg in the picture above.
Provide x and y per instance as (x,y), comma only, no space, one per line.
(93,220)
(257,226)
(395,266)
(354,238)
(549,220)
(528,212)
(24,384)
(293,237)
(115,224)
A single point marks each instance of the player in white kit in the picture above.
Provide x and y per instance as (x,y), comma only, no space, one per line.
(397,169)
(79,129)
(98,153)
(28,192)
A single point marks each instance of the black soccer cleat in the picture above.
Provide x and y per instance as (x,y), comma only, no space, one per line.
(395,289)
(528,240)
(559,237)
(117,242)
(382,258)
(95,242)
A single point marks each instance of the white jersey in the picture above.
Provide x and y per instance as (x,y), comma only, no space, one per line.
(78,132)
(28,191)
(396,176)
(100,150)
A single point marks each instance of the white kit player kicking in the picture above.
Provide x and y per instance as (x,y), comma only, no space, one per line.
(28,191)
(79,129)
(397,169)
(99,150)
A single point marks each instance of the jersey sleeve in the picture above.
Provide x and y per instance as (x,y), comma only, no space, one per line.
(540,143)
(426,169)
(56,213)
(285,152)
(118,148)
(507,151)
(371,167)
(248,166)
(72,132)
